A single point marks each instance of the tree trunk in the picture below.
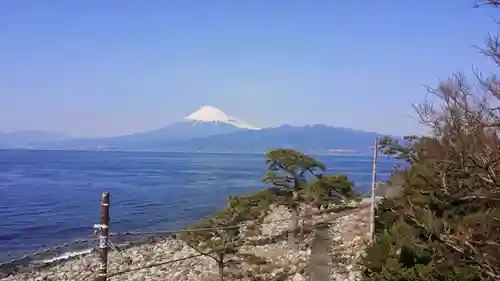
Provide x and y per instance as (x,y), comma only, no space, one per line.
(220,264)
(221,272)
(292,234)
(307,219)
(301,229)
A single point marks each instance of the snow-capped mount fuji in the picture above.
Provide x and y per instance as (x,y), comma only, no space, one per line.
(210,130)
(205,122)
(210,114)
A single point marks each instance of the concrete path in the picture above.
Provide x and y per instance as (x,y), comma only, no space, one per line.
(319,262)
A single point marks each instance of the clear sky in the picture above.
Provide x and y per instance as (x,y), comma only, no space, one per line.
(99,68)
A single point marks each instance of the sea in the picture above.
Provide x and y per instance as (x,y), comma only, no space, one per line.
(52,197)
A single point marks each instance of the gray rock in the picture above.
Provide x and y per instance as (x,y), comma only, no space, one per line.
(298,277)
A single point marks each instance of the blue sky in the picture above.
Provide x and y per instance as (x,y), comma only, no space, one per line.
(98,68)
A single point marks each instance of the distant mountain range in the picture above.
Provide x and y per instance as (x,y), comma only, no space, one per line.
(208,130)
(23,139)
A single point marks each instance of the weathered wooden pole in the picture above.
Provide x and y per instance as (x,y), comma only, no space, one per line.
(103,229)
(374,185)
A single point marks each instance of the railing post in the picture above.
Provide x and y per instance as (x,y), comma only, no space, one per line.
(103,229)
(374,186)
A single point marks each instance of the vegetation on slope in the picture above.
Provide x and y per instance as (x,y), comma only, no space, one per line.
(287,170)
(446,225)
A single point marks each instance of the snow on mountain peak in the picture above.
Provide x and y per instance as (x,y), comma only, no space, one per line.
(210,114)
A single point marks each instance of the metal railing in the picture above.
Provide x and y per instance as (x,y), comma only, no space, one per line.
(102,231)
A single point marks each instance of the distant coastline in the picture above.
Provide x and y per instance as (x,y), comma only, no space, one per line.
(210,133)
(332,152)
(340,151)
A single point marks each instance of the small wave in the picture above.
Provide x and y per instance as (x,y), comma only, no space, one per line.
(67,255)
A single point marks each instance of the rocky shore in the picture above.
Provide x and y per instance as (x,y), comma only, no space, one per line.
(265,255)
(349,236)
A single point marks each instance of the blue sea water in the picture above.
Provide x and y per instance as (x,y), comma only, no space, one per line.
(50,197)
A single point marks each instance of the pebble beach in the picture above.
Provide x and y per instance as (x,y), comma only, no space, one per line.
(278,259)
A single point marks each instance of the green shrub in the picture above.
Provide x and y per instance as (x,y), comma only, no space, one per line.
(437,229)
(329,189)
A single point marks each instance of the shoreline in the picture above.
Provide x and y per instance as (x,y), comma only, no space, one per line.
(50,261)
(151,258)
(152,249)
(30,264)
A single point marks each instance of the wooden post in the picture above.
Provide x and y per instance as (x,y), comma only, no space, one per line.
(103,229)
(292,232)
(374,185)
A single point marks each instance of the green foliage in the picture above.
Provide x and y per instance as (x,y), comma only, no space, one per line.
(254,206)
(329,189)
(446,224)
(287,171)
(439,228)
(220,236)
(387,213)
(400,253)
(288,168)
(389,146)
